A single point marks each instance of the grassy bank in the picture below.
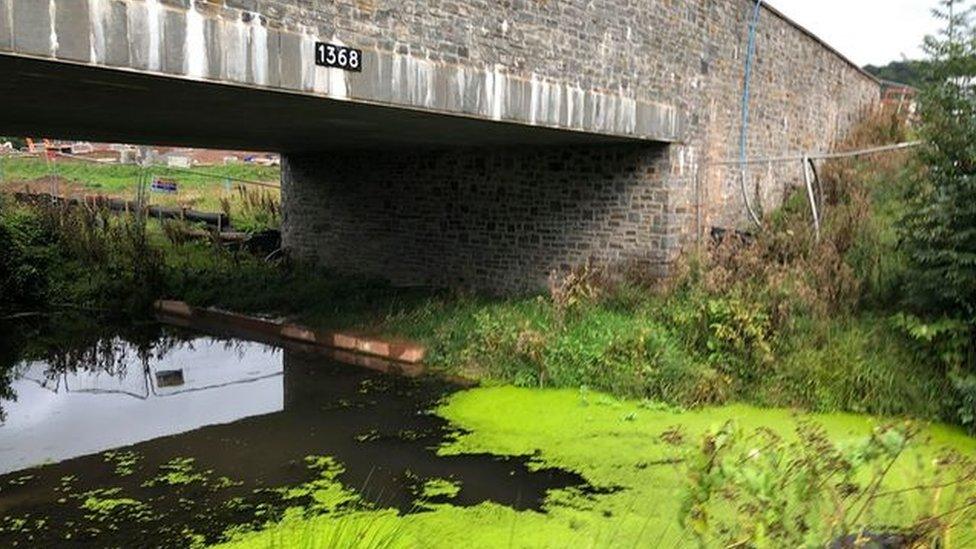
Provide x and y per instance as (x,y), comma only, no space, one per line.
(783,319)
(673,399)
(203,188)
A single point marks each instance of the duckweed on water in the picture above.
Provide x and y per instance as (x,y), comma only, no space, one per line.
(105,506)
(327,494)
(178,472)
(20,480)
(124,461)
(440,488)
(632,451)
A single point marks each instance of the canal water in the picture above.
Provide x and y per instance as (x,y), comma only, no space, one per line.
(159,436)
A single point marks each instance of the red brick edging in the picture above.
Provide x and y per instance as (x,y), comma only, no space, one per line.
(395,350)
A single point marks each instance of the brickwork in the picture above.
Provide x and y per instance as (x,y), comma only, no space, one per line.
(665,75)
(503,219)
(499,220)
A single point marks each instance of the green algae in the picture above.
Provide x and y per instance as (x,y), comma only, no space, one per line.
(179,471)
(325,491)
(107,507)
(124,461)
(634,451)
(439,488)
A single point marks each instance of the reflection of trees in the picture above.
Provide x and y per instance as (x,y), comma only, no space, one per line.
(72,345)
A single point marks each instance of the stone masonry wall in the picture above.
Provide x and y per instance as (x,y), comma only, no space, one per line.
(649,71)
(503,219)
(498,220)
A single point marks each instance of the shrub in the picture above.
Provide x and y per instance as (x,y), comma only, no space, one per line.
(760,490)
(939,227)
(27,254)
(858,365)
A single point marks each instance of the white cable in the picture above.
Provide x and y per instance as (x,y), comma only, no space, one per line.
(820,156)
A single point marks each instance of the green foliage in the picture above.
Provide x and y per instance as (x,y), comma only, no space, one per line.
(75,257)
(939,230)
(949,340)
(965,387)
(859,365)
(202,188)
(733,335)
(27,252)
(253,209)
(909,72)
(810,491)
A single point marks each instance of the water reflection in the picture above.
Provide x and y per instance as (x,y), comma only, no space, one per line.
(245,414)
(116,394)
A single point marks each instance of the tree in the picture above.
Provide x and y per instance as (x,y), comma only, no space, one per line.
(939,232)
(908,72)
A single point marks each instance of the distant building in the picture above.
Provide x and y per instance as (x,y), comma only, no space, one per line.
(900,97)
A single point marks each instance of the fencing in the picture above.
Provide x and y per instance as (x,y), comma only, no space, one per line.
(204,195)
(769,180)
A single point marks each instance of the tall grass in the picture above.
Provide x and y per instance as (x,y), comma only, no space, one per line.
(370,530)
(783,319)
(204,188)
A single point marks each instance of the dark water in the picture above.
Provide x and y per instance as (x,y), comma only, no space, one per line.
(106,417)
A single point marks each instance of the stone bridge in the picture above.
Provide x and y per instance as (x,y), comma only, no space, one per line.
(474,143)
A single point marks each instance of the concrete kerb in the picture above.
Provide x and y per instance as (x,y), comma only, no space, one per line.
(399,351)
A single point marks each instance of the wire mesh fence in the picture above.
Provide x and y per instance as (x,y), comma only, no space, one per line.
(244,196)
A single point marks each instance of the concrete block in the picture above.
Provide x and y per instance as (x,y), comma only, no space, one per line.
(32,27)
(141,37)
(6,24)
(291,61)
(213,43)
(110,32)
(73,30)
(375,80)
(174,308)
(274,58)
(174,40)
(230,52)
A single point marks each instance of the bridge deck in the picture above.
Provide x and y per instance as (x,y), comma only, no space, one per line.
(80,101)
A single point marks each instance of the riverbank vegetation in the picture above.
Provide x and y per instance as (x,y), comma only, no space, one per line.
(733,476)
(219,188)
(669,396)
(776,319)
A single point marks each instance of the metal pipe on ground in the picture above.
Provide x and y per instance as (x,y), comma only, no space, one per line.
(217,219)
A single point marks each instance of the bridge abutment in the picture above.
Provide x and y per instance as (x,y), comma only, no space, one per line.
(496,219)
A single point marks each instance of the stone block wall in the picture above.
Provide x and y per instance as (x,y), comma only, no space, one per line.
(646,71)
(498,220)
(503,219)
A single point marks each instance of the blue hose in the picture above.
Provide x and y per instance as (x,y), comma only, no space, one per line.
(746,96)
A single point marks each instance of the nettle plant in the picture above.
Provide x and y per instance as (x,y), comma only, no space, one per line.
(760,490)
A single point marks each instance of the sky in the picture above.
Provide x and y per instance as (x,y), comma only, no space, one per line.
(866,31)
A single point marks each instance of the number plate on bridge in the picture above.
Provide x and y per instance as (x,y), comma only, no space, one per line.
(340,57)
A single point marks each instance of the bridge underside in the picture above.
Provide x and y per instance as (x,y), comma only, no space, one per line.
(413,197)
(64,100)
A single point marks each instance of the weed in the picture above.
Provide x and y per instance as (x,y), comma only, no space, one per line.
(761,490)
